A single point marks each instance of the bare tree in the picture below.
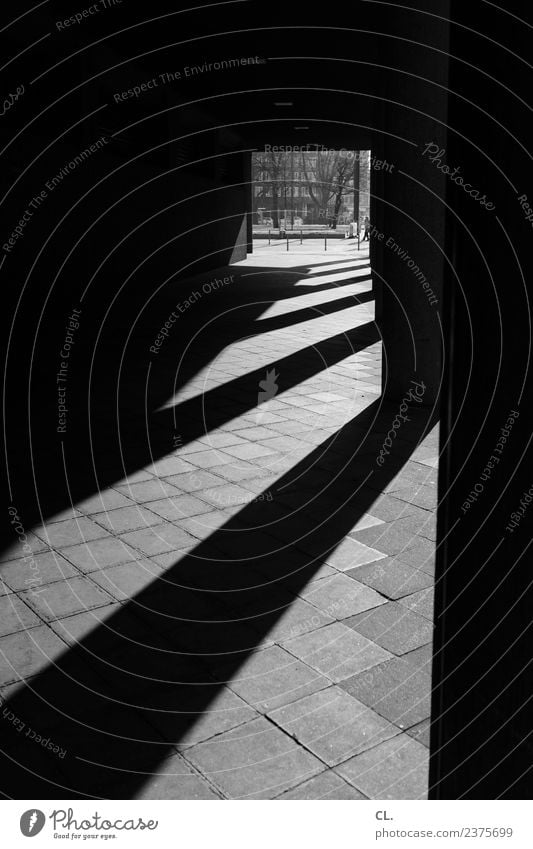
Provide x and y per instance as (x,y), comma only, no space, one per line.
(343,183)
(330,180)
(317,172)
(275,166)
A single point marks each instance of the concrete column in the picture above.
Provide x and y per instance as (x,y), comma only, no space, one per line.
(408,208)
(481,742)
(248,195)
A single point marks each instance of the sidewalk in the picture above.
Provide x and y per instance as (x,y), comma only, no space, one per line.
(251,615)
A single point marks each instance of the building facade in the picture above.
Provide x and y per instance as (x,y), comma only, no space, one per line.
(295,187)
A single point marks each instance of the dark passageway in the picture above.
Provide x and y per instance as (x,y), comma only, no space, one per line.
(236,556)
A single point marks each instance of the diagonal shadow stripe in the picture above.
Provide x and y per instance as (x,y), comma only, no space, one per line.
(267,325)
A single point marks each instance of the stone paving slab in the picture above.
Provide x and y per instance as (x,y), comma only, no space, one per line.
(422,523)
(101,502)
(272,677)
(394,689)
(389,508)
(99,554)
(421,658)
(420,602)
(351,553)
(339,596)
(394,627)
(336,651)
(254,761)
(123,581)
(420,495)
(387,538)
(395,769)
(45,568)
(392,578)
(333,725)
(176,779)
(421,732)
(28,652)
(187,482)
(149,490)
(126,518)
(103,758)
(327,785)
(15,615)
(73,629)
(421,553)
(70,532)
(56,601)
(159,538)
(176,508)
(283,617)
(178,716)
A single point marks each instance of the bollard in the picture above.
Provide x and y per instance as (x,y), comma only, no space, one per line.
(325,241)
(301,237)
(287,243)
(269,237)
(358,240)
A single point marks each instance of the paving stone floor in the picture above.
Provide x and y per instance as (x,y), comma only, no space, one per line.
(249,616)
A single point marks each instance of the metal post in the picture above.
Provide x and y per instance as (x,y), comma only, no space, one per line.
(325,241)
(292,188)
(357,189)
(287,243)
(269,236)
(358,238)
(301,237)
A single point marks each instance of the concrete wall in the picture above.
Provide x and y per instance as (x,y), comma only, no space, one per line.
(482,674)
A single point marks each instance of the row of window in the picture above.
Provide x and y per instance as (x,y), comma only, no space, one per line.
(283,191)
(265,177)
